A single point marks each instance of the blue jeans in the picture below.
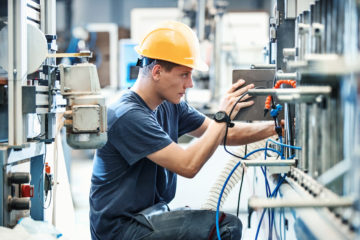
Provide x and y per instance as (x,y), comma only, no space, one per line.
(183,224)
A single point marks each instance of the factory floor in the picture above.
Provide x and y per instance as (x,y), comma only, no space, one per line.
(190,192)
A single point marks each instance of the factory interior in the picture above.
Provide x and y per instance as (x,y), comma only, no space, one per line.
(65,63)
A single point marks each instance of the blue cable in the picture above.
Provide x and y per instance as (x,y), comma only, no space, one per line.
(262,149)
(262,215)
(227,180)
(284,145)
(272,219)
(267,186)
(284,223)
(281,147)
(280,224)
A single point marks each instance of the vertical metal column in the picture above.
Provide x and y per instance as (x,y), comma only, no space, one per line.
(200,19)
(285,35)
(37,179)
(285,38)
(3,155)
(17,41)
(216,79)
(48,27)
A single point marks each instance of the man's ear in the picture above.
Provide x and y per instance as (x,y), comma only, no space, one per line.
(156,72)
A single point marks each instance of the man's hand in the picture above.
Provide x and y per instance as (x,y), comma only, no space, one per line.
(232,95)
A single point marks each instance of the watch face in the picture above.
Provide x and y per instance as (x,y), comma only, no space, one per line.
(220,116)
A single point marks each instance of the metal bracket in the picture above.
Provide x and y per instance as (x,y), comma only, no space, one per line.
(256,203)
(305,94)
(270,163)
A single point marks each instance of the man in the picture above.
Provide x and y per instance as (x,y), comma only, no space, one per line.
(134,174)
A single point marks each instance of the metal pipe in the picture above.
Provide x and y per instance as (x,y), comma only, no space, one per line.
(200,19)
(48,17)
(269,163)
(263,66)
(255,202)
(289,52)
(17,74)
(289,130)
(319,222)
(217,74)
(303,90)
(286,76)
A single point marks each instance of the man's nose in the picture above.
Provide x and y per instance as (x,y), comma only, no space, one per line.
(189,82)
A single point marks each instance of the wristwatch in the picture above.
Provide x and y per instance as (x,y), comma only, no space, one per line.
(221,116)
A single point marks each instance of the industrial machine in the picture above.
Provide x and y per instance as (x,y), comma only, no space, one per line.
(314,76)
(128,58)
(35,95)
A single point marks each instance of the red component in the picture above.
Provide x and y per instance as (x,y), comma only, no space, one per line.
(27,190)
(277,85)
(47,168)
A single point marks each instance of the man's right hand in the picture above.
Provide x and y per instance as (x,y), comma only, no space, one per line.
(232,95)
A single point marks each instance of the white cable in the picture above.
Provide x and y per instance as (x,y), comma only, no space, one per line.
(60,124)
(211,202)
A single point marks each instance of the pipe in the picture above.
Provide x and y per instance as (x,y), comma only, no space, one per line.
(256,202)
(200,19)
(17,74)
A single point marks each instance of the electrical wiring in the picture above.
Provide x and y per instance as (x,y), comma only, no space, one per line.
(241,184)
(284,145)
(283,213)
(224,186)
(227,127)
(243,158)
(274,193)
(280,223)
(214,192)
(281,147)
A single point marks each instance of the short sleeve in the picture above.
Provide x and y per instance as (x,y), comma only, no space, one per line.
(137,134)
(190,119)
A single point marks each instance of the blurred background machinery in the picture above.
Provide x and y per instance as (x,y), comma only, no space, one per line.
(32,106)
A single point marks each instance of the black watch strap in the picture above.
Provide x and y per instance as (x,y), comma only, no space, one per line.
(230,124)
(222,116)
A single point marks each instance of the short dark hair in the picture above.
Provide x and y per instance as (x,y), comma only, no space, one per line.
(168,66)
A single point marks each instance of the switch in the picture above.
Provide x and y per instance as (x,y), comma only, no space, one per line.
(27,190)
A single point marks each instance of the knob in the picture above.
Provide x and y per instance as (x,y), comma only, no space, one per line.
(19,177)
(19,203)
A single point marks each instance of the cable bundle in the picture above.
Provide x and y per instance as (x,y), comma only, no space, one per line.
(211,202)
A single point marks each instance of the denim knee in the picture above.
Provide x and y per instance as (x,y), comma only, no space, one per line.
(232,228)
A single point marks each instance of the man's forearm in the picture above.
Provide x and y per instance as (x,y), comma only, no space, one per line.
(244,133)
(202,149)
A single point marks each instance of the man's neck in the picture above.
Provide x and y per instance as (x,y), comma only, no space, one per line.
(146,91)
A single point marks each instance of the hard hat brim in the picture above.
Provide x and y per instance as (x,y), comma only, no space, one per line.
(200,65)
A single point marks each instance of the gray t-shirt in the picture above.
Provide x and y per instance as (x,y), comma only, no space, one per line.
(124,181)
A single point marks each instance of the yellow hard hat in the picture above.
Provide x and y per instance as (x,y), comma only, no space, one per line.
(173,42)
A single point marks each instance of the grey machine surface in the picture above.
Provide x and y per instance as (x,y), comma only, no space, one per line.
(261,78)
